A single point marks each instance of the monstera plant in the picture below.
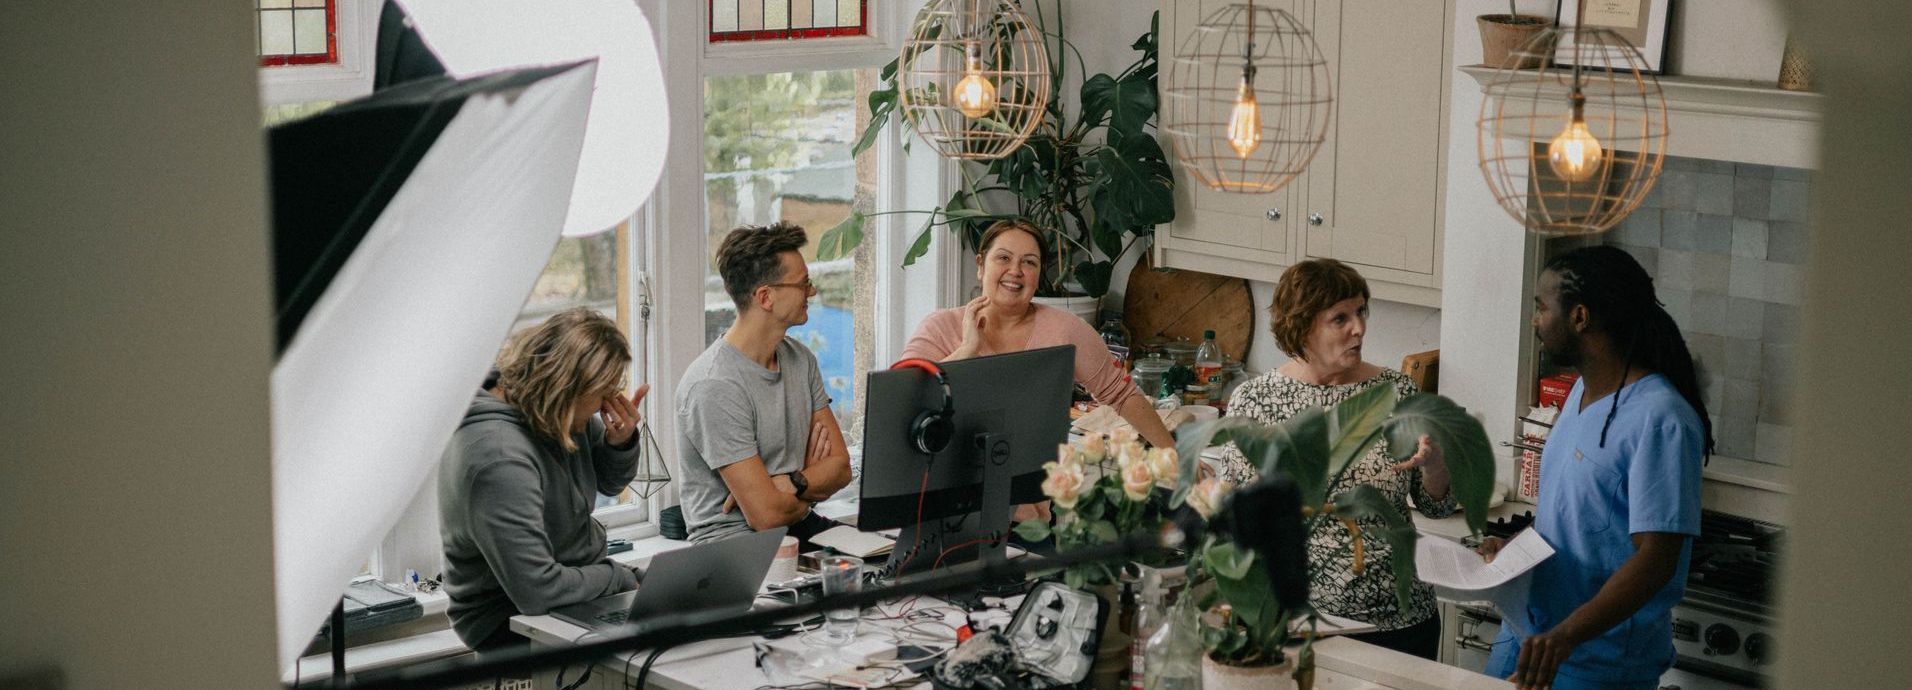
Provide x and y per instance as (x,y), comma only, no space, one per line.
(1097,183)
(1311,450)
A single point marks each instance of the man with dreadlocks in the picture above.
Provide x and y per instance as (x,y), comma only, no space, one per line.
(1619,483)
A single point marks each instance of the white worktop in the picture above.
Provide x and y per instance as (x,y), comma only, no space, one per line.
(1455,526)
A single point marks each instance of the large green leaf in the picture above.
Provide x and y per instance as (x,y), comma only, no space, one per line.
(1127,102)
(921,245)
(1136,189)
(1463,444)
(1033,530)
(882,103)
(1094,276)
(842,238)
(1192,439)
(1355,423)
(1298,446)
(1364,502)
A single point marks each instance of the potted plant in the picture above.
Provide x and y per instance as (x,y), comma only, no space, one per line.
(1097,181)
(1503,34)
(1249,625)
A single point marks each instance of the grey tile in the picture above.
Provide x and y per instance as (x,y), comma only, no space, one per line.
(1772,443)
(1781,326)
(1752,197)
(1649,257)
(1682,163)
(1753,170)
(1747,278)
(1679,229)
(1785,283)
(1681,186)
(1734,436)
(1675,270)
(1749,238)
(1713,234)
(1678,303)
(1743,359)
(1741,400)
(1744,318)
(1709,353)
(1709,313)
(1713,194)
(1789,201)
(1786,242)
(1707,165)
(1711,388)
(1641,228)
(1711,272)
(1776,384)
(1656,196)
(1792,174)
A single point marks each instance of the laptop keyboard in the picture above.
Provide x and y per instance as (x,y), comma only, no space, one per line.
(614,617)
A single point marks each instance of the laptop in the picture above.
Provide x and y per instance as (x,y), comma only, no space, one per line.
(723,575)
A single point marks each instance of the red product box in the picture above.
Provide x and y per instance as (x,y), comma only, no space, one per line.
(1554,389)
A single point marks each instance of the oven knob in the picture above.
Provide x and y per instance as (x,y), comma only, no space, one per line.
(1721,639)
(1756,648)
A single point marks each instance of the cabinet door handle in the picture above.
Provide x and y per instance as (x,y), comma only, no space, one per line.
(1472,642)
(1315,219)
(1274,214)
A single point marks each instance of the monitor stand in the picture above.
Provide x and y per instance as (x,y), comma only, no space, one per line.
(982,534)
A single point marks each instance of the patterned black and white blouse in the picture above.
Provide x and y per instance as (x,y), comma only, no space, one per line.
(1368,597)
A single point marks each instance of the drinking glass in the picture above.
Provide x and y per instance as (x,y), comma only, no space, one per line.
(841,575)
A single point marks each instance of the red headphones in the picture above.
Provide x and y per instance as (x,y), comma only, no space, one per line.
(932,429)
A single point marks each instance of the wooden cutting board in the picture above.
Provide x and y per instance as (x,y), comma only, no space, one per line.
(1180,303)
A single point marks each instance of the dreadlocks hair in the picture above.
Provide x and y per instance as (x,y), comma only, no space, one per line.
(1619,295)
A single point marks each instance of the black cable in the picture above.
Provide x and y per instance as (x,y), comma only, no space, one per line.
(644,674)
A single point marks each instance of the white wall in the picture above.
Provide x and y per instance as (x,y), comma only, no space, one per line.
(135,485)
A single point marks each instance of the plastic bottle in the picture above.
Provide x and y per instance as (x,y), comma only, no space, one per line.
(1149,612)
(1208,359)
(1173,656)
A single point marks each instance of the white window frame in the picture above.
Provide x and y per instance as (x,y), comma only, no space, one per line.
(349,78)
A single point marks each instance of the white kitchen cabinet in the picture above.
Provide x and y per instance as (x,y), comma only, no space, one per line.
(1372,197)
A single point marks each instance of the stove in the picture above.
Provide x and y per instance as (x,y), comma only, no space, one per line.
(1723,628)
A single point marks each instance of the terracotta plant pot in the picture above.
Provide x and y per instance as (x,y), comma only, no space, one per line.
(1502,35)
(1220,676)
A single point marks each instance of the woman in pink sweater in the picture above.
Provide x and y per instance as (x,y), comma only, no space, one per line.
(1004,319)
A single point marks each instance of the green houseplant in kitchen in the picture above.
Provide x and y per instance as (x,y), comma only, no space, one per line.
(1312,449)
(1096,180)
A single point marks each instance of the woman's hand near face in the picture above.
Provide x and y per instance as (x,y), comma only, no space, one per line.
(973,324)
(621,416)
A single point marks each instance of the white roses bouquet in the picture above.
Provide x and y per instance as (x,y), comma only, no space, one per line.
(1107,486)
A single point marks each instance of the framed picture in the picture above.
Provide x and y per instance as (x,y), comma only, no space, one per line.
(1641,22)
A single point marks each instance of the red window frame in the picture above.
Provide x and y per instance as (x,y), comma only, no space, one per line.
(329,57)
(710,15)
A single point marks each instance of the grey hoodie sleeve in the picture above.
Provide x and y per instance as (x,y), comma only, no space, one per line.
(614,468)
(507,526)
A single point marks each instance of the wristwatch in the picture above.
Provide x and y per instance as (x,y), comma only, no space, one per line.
(798,480)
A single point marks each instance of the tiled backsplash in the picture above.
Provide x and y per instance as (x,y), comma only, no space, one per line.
(1726,245)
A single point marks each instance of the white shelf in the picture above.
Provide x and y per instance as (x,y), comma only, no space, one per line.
(1727,119)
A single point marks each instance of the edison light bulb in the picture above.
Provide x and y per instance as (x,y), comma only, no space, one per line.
(1575,155)
(1244,122)
(975,96)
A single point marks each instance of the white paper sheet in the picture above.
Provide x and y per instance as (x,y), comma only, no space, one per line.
(1459,573)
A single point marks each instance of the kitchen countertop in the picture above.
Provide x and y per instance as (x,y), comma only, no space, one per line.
(1455,526)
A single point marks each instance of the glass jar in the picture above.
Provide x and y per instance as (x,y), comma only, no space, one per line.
(1148,374)
(1195,394)
(1181,351)
(1231,378)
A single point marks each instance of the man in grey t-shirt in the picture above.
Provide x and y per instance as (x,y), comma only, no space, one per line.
(756,442)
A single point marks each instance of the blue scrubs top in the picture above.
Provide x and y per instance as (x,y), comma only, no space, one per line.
(1594,498)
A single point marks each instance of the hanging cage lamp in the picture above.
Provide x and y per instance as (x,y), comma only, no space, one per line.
(1248,100)
(973,78)
(1572,150)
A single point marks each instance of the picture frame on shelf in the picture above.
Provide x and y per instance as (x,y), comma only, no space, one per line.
(1640,22)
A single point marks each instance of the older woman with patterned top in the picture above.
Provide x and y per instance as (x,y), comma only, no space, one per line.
(1319,316)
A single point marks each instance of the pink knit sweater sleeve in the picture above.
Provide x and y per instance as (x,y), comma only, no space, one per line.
(939,334)
(1095,368)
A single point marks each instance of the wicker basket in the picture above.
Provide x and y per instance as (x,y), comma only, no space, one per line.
(1503,34)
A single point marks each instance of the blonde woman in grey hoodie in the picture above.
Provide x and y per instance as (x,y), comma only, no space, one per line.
(515,488)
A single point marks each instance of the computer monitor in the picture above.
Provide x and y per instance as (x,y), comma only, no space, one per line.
(1010,413)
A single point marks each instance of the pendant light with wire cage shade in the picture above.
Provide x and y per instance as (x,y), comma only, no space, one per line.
(1572,150)
(973,77)
(1248,99)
